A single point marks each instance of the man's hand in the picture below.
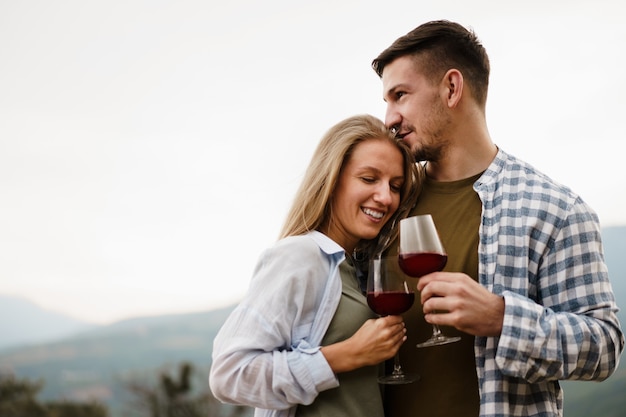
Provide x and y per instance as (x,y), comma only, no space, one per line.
(455,299)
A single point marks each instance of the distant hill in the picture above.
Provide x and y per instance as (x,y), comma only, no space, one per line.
(603,399)
(96,363)
(23,322)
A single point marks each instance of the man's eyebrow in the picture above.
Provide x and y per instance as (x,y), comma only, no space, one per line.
(391,91)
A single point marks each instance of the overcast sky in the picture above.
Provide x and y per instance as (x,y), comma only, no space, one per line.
(149,150)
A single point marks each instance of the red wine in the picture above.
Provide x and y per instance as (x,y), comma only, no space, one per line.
(390,303)
(422,263)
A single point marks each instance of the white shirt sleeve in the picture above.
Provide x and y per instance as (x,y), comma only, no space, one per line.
(265,354)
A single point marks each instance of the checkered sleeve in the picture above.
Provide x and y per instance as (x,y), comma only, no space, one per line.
(565,326)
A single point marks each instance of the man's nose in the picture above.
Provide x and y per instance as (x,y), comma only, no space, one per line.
(393,119)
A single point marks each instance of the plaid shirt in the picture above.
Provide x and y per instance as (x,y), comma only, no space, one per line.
(540,248)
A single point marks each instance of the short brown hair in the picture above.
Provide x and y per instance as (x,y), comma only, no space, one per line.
(439,46)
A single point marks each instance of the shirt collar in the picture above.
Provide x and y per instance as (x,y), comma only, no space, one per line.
(325,243)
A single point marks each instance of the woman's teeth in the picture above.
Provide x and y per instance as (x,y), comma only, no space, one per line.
(375,214)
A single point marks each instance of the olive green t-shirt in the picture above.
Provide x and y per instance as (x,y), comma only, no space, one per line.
(448,385)
(358,393)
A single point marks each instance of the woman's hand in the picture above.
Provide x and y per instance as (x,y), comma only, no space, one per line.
(377,340)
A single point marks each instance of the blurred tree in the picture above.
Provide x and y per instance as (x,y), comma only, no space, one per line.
(18,398)
(75,409)
(176,397)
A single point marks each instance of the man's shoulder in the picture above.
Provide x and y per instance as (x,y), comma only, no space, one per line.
(521,175)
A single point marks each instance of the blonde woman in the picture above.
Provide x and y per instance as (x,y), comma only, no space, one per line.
(303,342)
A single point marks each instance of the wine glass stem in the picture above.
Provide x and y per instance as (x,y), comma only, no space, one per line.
(436,331)
(397,369)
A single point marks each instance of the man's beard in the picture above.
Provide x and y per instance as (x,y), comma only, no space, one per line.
(427,153)
(433,135)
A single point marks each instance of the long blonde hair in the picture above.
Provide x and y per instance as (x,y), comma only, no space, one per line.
(311,204)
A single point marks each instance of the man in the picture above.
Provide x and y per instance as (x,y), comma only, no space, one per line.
(526,286)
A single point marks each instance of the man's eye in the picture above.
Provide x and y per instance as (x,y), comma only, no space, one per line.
(399,95)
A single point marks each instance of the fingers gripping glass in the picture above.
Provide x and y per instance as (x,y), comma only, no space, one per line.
(389,294)
(421,253)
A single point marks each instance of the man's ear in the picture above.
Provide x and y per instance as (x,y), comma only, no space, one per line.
(452,84)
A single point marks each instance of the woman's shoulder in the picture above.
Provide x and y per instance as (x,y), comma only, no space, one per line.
(295,259)
(309,243)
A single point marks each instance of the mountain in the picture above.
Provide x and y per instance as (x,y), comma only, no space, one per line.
(23,322)
(98,363)
(606,399)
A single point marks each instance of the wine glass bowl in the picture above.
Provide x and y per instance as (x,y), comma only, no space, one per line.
(420,253)
(390,303)
(389,294)
(420,264)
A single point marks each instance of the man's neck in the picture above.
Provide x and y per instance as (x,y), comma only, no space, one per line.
(462,162)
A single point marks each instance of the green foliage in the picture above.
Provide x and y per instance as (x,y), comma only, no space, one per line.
(176,397)
(18,398)
(174,390)
(72,409)
(167,396)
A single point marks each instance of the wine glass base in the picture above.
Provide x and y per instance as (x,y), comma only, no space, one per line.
(398,379)
(438,341)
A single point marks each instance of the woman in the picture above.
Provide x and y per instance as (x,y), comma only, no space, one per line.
(303,341)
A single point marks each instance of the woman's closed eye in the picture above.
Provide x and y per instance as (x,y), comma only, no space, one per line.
(396,188)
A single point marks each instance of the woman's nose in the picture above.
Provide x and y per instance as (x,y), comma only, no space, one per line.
(383,195)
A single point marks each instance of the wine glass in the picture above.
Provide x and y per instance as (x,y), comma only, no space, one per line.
(389,294)
(421,253)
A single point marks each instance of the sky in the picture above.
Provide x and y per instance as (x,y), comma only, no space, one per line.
(149,150)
